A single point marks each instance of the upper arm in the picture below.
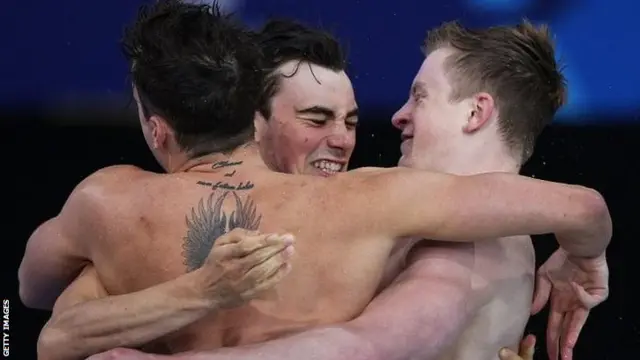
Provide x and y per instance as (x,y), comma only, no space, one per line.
(85,287)
(435,271)
(51,260)
(429,303)
(406,202)
(59,248)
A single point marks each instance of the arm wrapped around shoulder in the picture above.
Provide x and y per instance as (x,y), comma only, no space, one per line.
(438,206)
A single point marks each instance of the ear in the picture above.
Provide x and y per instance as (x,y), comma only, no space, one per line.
(481,112)
(260,124)
(159,131)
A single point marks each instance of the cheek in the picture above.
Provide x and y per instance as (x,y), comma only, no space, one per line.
(434,136)
(352,141)
(425,132)
(304,144)
(439,122)
(294,146)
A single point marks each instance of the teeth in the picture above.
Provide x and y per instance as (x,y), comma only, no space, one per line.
(328,166)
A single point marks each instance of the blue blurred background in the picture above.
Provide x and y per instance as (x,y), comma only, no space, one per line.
(64,54)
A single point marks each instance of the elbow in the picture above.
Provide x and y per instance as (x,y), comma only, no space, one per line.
(26,292)
(29,296)
(595,212)
(26,297)
(593,222)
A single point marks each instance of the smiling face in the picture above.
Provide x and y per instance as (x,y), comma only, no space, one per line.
(432,125)
(311,129)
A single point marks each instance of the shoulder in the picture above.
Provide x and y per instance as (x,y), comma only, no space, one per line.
(108,174)
(111,178)
(99,190)
(373,171)
(358,176)
(367,169)
(363,186)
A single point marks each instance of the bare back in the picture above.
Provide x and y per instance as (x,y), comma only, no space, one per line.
(504,280)
(158,227)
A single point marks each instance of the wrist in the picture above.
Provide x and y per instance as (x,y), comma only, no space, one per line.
(600,258)
(202,287)
(589,261)
(582,246)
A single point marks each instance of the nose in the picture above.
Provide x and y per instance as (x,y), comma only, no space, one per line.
(342,141)
(401,118)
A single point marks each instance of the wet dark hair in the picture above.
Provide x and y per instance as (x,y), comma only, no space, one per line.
(284,40)
(199,70)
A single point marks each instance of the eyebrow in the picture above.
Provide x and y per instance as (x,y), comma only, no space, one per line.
(321,110)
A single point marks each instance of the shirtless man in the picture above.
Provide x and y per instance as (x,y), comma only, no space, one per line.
(314,293)
(477,105)
(294,138)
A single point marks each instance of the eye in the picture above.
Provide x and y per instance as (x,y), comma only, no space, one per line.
(317,121)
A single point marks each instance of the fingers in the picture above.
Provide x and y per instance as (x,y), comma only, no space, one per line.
(269,280)
(565,325)
(541,295)
(571,332)
(122,354)
(590,300)
(97,357)
(250,244)
(235,236)
(527,347)
(265,268)
(506,354)
(553,333)
(265,260)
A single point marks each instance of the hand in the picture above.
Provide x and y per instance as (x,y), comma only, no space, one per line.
(575,286)
(242,264)
(123,354)
(527,349)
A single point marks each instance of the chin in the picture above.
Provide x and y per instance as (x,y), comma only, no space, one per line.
(404,161)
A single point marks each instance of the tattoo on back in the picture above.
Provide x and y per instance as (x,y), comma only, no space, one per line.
(208,221)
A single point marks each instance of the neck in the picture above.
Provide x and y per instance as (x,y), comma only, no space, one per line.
(247,154)
(485,165)
(482,158)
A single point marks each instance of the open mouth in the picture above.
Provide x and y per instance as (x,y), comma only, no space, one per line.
(327,166)
(404,137)
(405,145)
(405,140)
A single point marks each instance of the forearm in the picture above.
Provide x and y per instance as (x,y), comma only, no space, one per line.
(327,343)
(417,317)
(129,320)
(490,206)
(577,215)
(424,331)
(406,334)
(427,307)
